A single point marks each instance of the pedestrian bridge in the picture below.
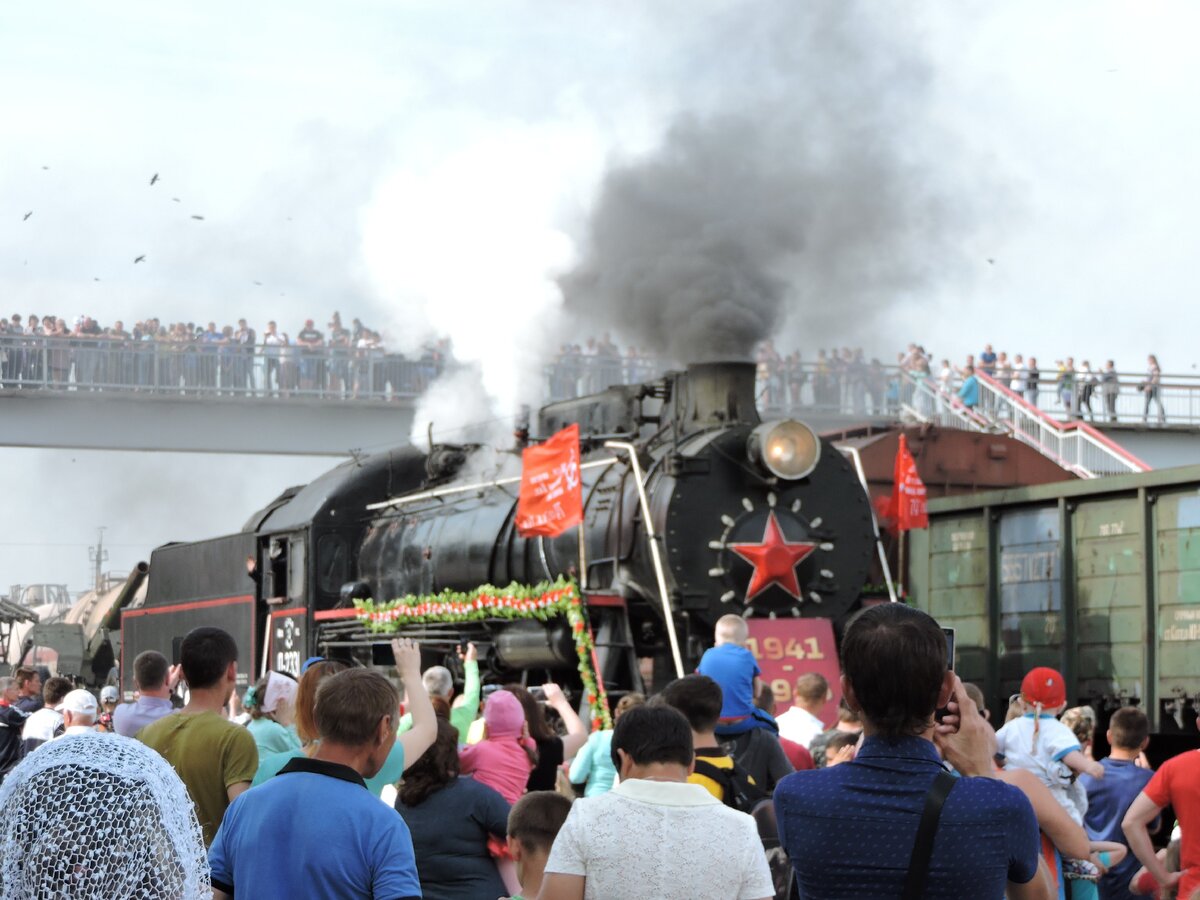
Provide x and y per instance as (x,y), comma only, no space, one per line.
(115,420)
(154,396)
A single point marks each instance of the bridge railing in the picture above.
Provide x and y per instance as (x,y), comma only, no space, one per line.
(202,370)
(1075,445)
(210,370)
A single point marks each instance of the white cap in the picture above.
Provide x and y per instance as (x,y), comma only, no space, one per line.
(80,702)
(108,694)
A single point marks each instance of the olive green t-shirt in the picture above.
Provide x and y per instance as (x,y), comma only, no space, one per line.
(209,753)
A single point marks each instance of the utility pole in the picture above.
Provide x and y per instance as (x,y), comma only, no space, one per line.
(98,556)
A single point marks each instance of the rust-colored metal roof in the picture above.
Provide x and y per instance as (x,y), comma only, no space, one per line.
(949,460)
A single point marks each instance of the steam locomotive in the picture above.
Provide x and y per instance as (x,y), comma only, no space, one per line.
(758,518)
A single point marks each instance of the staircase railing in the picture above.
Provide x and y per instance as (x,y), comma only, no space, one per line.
(1075,445)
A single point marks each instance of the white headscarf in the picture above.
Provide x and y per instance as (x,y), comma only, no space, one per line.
(281,691)
(99,816)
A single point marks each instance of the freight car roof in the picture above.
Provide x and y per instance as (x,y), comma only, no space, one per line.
(1183,476)
(343,491)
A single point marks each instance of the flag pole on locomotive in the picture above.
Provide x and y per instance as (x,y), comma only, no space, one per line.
(905,508)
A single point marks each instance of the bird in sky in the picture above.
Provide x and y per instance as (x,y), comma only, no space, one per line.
(27,215)
(198,218)
(176,199)
(141,258)
(259,283)
(991,262)
(45,168)
(95,279)
(154,179)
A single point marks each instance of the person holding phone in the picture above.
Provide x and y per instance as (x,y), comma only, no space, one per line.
(853,830)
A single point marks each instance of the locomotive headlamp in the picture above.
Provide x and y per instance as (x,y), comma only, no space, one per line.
(787,449)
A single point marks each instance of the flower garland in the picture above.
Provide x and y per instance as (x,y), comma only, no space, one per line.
(543,602)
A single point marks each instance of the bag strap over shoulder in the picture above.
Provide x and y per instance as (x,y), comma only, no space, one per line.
(922,852)
(723,777)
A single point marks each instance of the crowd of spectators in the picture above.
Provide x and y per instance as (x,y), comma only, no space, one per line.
(352,362)
(340,362)
(846,380)
(698,791)
(594,365)
(1078,390)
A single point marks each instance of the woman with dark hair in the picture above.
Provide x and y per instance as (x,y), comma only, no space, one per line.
(552,750)
(450,818)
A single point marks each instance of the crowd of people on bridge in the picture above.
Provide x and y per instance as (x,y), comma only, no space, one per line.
(318,787)
(1079,390)
(351,362)
(845,381)
(341,362)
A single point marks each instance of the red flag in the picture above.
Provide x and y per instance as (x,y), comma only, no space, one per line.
(905,509)
(551,498)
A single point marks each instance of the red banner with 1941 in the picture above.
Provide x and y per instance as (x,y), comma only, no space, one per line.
(788,648)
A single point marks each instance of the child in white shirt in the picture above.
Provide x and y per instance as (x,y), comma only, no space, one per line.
(1039,743)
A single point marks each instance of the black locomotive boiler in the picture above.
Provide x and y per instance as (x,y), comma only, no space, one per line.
(752,517)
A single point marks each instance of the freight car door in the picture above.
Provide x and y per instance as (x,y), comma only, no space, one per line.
(1110,598)
(1030,566)
(1177,588)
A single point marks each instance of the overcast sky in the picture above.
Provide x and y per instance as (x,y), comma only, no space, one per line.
(429,168)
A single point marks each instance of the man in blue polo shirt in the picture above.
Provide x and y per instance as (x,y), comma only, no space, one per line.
(850,830)
(314,830)
(1110,797)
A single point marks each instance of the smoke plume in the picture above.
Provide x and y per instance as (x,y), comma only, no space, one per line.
(806,198)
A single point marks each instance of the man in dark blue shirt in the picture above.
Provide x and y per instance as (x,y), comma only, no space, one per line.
(1110,797)
(850,830)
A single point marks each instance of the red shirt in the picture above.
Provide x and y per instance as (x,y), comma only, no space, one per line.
(1177,782)
(797,755)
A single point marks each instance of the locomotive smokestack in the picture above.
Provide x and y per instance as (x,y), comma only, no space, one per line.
(716,393)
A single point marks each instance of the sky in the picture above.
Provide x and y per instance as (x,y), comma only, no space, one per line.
(432,167)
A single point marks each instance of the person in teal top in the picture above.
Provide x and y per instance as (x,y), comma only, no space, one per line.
(969,392)
(393,767)
(271,737)
(440,683)
(407,749)
(593,763)
(271,703)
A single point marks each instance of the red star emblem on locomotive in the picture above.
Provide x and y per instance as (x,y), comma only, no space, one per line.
(774,560)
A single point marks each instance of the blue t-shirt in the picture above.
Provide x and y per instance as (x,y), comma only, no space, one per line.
(849,830)
(1109,798)
(314,830)
(732,667)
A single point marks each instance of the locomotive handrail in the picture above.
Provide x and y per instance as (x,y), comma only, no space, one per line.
(655,554)
(853,453)
(466,488)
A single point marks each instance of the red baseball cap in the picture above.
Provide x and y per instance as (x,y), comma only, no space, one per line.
(1045,686)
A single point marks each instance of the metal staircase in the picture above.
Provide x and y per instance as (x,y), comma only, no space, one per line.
(1074,445)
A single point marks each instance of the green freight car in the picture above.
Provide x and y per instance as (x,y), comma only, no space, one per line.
(1099,579)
